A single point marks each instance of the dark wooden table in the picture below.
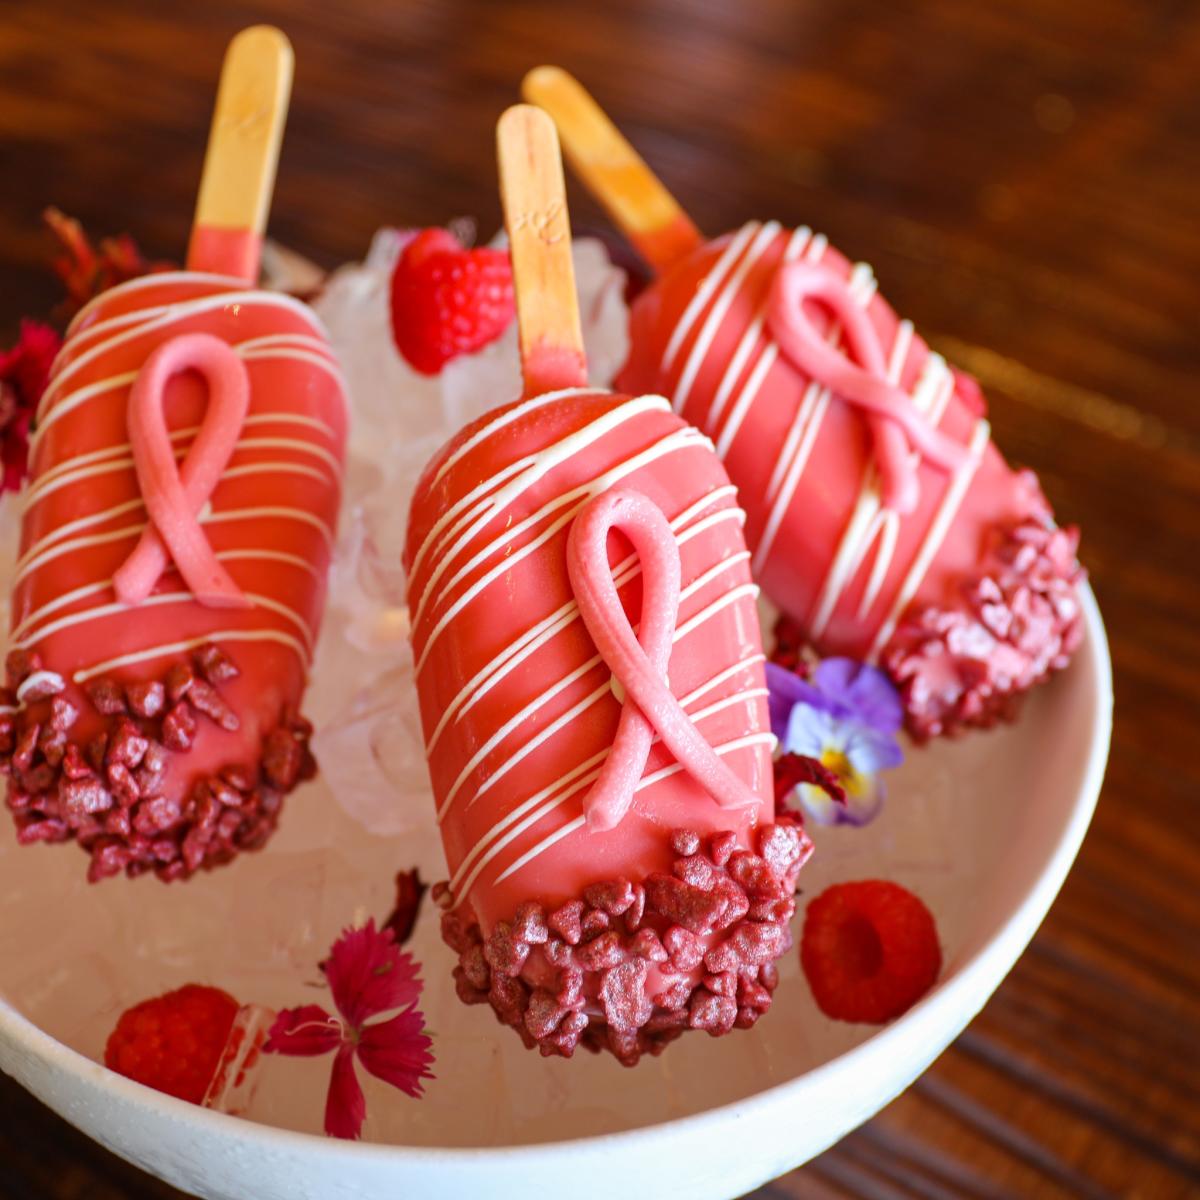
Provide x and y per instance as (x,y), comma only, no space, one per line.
(1025,177)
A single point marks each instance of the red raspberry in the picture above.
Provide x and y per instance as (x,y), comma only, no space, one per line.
(174,1043)
(448,301)
(870,951)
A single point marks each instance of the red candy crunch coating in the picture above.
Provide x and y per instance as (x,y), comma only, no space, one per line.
(163,735)
(621,936)
(910,542)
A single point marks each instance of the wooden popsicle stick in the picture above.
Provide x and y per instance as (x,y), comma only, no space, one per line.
(612,169)
(539,234)
(243,150)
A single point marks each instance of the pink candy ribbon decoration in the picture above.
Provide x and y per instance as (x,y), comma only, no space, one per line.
(895,424)
(173,494)
(639,662)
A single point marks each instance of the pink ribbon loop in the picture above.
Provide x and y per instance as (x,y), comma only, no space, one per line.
(174,495)
(639,662)
(895,424)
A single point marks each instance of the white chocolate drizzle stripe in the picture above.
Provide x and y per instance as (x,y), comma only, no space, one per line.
(812,413)
(99,612)
(172,313)
(223,635)
(514,414)
(533,638)
(704,293)
(757,739)
(930,397)
(561,789)
(89,589)
(934,537)
(241,514)
(681,631)
(750,339)
(680,439)
(749,393)
(540,465)
(708,331)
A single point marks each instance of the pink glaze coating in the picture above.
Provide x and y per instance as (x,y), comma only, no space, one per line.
(520,710)
(214,692)
(858,575)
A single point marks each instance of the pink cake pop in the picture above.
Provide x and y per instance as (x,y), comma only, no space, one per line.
(178,522)
(882,519)
(164,612)
(592,692)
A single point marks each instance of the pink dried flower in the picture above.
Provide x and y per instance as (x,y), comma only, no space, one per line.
(86,271)
(24,371)
(369,976)
(409,893)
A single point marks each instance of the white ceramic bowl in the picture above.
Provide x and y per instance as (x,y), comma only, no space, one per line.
(986,828)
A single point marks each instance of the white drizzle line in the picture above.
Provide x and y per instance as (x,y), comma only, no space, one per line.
(934,538)
(514,414)
(239,514)
(86,615)
(47,486)
(705,291)
(796,243)
(533,638)
(466,509)
(532,810)
(679,439)
(527,748)
(539,465)
(675,440)
(814,252)
(540,701)
(90,589)
(756,739)
(516,720)
(762,242)
(930,398)
(169,315)
(809,419)
(223,635)
(157,279)
(578,777)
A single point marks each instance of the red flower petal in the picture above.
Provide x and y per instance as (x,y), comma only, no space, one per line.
(791,770)
(369,975)
(409,892)
(345,1105)
(304,1032)
(398,1051)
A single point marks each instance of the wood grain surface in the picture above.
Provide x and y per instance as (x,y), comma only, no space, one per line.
(1025,177)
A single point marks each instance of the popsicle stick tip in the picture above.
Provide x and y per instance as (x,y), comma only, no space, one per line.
(539,234)
(243,151)
(612,169)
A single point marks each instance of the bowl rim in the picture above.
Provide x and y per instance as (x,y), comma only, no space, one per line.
(953,1001)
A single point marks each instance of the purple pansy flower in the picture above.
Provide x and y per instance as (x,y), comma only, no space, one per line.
(847,717)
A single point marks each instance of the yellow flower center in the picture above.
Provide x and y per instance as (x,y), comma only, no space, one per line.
(841,766)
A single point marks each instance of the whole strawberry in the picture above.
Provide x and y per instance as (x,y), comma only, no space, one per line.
(174,1043)
(447,300)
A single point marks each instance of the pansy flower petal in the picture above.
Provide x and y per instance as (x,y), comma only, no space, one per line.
(810,732)
(398,1051)
(869,750)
